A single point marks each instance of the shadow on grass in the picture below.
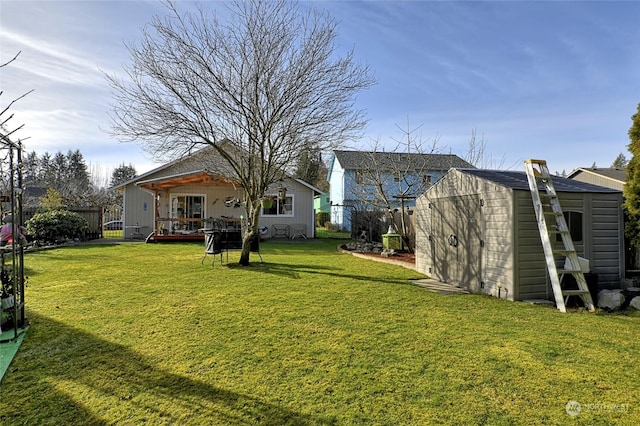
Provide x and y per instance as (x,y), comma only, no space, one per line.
(297,271)
(61,369)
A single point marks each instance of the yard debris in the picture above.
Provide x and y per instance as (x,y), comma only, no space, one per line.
(388,253)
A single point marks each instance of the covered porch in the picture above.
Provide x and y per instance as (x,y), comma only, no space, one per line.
(188,203)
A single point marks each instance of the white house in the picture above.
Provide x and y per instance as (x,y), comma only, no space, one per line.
(178,200)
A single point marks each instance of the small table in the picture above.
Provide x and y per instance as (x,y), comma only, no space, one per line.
(280,231)
(136,234)
(298,230)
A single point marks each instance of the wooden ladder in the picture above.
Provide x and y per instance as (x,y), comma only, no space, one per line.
(538,176)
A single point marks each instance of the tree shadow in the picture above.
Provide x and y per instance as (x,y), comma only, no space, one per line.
(297,271)
(58,357)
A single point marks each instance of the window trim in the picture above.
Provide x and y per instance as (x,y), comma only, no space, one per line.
(276,200)
(175,195)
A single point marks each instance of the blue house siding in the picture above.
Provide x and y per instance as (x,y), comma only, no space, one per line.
(347,194)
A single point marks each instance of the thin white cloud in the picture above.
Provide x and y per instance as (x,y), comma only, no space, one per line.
(52,61)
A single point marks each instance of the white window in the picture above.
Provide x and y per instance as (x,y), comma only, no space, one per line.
(279,207)
(189,210)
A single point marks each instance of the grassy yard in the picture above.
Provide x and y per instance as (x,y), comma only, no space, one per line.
(323,232)
(143,333)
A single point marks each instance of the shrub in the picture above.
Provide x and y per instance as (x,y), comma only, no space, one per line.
(56,225)
(322,217)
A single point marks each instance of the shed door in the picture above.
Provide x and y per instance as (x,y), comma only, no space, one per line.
(456,240)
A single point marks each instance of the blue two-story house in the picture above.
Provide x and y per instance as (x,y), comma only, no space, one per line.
(357,180)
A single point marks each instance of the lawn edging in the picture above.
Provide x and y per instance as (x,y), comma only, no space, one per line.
(378,258)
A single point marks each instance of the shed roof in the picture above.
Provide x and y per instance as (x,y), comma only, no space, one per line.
(359,160)
(518,180)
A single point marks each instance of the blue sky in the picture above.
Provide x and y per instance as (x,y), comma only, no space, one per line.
(551,80)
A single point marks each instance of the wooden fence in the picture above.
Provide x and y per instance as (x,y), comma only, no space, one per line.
(93,215)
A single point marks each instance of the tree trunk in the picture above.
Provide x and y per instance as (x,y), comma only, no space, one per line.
(250,232)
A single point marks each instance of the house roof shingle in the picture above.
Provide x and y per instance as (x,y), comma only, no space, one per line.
(360,160)
(619,175)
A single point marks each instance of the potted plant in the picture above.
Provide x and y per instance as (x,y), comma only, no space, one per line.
(267,202)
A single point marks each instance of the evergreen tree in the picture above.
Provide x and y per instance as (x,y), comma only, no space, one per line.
(620,162)
(59,172)
(632,186)
(30,169)
(67,174)
(311,168)
(45,172)
(122,173)
(77,176)
(52,201)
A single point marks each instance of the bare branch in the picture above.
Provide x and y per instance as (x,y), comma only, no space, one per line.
(4,133)
(11,60)
(258,88)
(14,101)
(478,156)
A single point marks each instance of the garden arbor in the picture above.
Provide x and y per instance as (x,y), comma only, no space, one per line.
(12,256)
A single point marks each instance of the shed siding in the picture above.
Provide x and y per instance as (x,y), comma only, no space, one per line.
(498,240)
(601,244)
(531,269)
(606,258)
(495,228)
(532,276)
(423,225)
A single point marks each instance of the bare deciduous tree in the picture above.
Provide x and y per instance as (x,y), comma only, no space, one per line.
(11,177)
(389,179)
(266,82)
(478,156)
(5,133)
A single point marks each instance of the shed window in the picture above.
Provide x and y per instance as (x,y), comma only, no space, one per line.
(574,222)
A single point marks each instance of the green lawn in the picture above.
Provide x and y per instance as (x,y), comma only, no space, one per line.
(143,333)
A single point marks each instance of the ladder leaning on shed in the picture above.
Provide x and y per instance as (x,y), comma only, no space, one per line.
(547,206)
